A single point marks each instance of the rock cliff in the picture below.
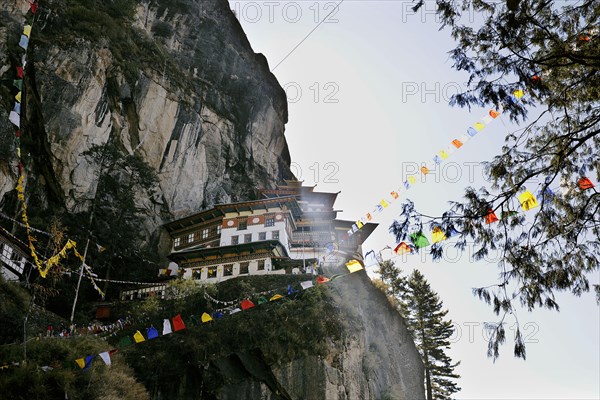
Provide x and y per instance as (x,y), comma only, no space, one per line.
(175,82)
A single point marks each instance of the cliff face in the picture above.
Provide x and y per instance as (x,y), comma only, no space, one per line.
(374,359)
(175,82)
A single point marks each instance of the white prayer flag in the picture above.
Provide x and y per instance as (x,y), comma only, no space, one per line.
(306,284)
(167,327)
(105,357)
(15,118)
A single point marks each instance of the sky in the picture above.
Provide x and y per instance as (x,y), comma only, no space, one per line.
(368,95)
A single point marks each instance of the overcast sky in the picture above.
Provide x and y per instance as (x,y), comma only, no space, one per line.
(368,98)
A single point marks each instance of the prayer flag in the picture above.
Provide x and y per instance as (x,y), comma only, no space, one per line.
(354,265)
(402,248)
(547,194)
(290,291)
(412,179)
(406,185)
(321,279)
(584,183)
(246,304)
(20,72)
(494,113)
(235,310)
(138,337)
(378,208)
(359,224)
(178,323)
(27,30)
(369,217)
(518,93)
(471,131)
(217,315)
(479,126)
(394,194)
(276,297)
(354,228)
(506,214)
(84,363)
(437,235)
(528,200)
(18,83)
(167,327)
(437,159)
(206,318)
(444,154)
(457,143)
(125,341)
(491,217)
(15,118)
(18,97)
(424,170)
(105,356)
(152,333)
(33,7)
(306,284)
(24,42)
(262,300)
(419,240)
(384,203)
(17,108)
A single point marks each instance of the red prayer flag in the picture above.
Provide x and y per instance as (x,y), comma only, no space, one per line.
(321,280)
(178,323)
(246,304)
(20,72)
(491,217)
(584,183)
(457,143)
(402,248)
(33,7)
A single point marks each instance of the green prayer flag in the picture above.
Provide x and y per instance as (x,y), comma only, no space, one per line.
(18,84)
(125,341)
(419,240)
(262,300)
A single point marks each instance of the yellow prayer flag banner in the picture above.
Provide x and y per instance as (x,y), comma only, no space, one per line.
(276,297)
(384,203)
(18,97)
(478,126)
(138,337)
(353,266)
(443,154)
(528,200)
(80,362)
(27,30)
(437,235)
(412,179)
(206,318)
(518,93)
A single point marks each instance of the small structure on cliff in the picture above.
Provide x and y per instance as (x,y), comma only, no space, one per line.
(292,229)
(15,261)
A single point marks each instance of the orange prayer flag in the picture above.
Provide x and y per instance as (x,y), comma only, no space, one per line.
(491,217)
(584,183)
(246,304)
(321,280)
(402,248)
(457,143)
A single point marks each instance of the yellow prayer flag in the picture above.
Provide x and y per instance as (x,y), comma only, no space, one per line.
(276,297)
(359,224)
(479,126)
(27,30)
(412,180)
(80,362)
(353,266)
(206,318)
(384,203)
(138,337)
(18,97)
(528,200)
(437,235)
(519,93)
(443,154)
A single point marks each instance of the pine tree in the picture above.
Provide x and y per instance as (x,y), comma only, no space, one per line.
(551,51)
(423,311)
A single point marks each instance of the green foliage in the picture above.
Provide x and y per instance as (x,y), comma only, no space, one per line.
(273,333)
(550,50)
(421,307)
(29,381)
